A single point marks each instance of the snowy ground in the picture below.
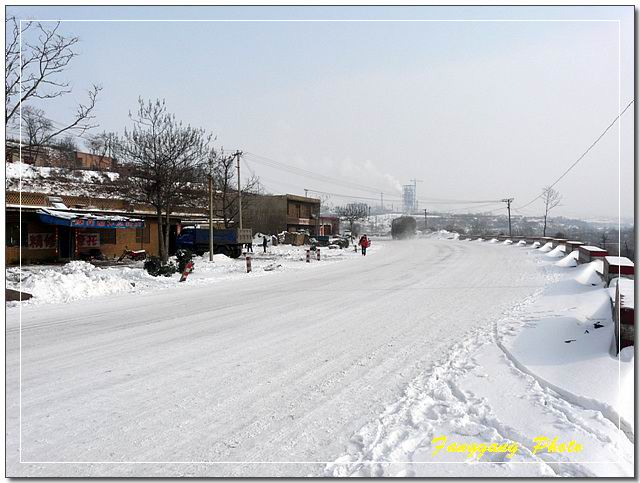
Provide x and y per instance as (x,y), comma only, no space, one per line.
(75,182)
(80,280)
(281,375)
(544,369)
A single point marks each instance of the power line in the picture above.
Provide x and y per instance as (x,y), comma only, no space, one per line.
(320,177)
(309,174)
(581,156)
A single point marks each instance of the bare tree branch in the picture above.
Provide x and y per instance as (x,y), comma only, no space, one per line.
(551,199)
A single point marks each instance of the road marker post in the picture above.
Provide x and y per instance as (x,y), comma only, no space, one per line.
(318,254)
(308,256)
(248,259)
(187,270)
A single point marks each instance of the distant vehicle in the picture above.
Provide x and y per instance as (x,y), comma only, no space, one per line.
(227,241)
(341,241)
(403,227)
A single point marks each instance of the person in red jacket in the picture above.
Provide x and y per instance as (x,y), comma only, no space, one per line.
(364,244)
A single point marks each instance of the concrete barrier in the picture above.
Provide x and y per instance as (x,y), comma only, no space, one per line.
(588,254)
(545,239)
(558,241)
(623,314)
(572,245)
(617,267)
(248,259)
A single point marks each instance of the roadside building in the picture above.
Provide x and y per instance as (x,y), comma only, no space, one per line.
(329,225)
(41,228)
(277,213)
(53,156)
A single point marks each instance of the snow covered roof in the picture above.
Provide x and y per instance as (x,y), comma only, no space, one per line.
(620,261)
(592,248)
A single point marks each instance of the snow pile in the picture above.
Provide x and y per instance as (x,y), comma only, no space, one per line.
(493,240)
(546,248)
(588,274)
(522,243)
(80,280)
(570,260)
(507,242)
(557,252)
(75,280)
(535,245)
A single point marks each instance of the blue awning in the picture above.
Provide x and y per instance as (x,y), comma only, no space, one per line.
(87,220)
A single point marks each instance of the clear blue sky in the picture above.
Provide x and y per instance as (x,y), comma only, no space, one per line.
(477,110)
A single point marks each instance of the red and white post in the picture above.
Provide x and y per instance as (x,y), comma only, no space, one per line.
(317,254)
(308,256)
(248,259)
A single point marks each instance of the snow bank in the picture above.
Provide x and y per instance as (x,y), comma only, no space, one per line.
(80,280)
(546,248)
(557,252)
(535,245)
(570,260)
(565,342)
(588,274)
(522,243)
(73,281)
(507,242)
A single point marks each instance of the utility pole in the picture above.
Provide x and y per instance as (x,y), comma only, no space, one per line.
(210,216)
(305,193)
(508,201)
(381,203)
(425,219)
(237,155)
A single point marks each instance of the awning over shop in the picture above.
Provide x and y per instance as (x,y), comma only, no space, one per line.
(87,220)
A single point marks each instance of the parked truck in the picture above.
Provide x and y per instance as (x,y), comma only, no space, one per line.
(227,241)
(403,227)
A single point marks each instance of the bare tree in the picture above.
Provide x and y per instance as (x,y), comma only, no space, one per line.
(103,145)
(166,158)
(37,129)
(225,182)
(353,212)
(65,151)
(551,199)
(35,56)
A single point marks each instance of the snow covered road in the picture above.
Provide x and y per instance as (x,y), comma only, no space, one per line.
(258,376)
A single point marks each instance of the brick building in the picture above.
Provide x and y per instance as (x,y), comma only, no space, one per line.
(277,213)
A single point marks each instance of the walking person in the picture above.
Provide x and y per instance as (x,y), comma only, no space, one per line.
(264,244)
(364,244)
(250,247)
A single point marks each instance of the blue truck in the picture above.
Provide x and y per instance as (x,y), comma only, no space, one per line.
(227,241)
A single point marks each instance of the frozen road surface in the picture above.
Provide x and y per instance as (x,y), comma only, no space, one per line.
(261,376)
